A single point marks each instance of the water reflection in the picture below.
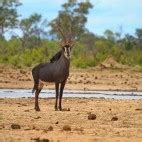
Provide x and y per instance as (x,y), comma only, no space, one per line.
(18,93)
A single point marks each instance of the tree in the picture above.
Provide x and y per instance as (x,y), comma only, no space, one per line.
(139,38)
(139,33)
(130,42)
(118,36)
(32,30)
(109,35)
(88,39)
(8,15)
(72,18)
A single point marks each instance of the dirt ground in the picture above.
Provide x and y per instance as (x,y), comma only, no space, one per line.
(100,78)
(114,120)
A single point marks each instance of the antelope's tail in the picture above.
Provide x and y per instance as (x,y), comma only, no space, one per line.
(35,74)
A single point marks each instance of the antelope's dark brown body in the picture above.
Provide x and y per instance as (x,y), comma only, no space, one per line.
(57,72)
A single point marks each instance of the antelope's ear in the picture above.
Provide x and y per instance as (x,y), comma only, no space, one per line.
(62,44)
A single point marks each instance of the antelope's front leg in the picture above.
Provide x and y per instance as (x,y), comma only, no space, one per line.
(57,95)
(36,96)
(61,94)
(36,100)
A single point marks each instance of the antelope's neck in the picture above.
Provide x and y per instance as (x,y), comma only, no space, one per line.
(65,61)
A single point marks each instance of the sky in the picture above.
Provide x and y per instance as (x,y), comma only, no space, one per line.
(117,15)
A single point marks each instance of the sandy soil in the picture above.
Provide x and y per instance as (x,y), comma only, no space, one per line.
(101,78)
(116,120)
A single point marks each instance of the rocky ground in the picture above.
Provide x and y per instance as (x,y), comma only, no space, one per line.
(83,120)
(99,78)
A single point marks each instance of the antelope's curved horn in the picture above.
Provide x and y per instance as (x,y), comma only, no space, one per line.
(60,31)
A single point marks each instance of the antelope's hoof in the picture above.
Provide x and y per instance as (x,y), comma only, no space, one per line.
(66,109)
(60,109)
(56,109)
(37,109)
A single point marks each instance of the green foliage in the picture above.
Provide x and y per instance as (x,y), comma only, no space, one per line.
(139,33)
(81,57)
(84,54)
(12,53)
(8,15)
(83,62)
(132,58)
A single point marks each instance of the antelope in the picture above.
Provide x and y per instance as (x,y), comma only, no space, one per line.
(56,71)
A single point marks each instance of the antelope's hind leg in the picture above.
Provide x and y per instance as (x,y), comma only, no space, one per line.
(61,94)
(38,90)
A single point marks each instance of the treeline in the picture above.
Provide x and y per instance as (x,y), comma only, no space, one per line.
(35,44)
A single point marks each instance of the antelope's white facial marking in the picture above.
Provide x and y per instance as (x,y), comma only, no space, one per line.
(67,51)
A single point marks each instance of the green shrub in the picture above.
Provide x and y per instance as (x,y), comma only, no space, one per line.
(11,52)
